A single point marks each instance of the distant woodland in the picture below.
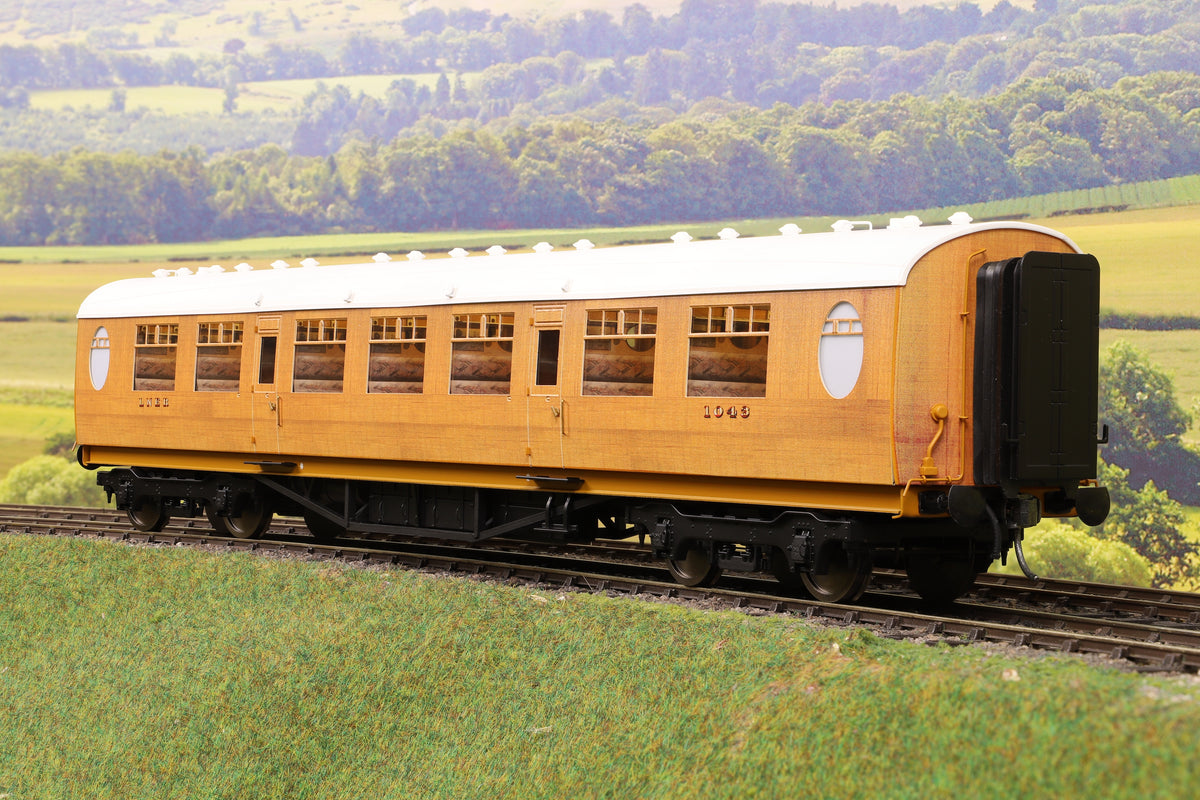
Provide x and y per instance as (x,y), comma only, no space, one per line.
(727,109)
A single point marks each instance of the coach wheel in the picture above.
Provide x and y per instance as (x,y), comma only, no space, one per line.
(147,515)
(695,569)
(941,577)
(252,518)
(322,528)
(844,582)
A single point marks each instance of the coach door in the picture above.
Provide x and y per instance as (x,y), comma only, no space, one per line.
(265,412)
(547,411)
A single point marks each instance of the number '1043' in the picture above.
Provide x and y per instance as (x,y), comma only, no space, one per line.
(730,412)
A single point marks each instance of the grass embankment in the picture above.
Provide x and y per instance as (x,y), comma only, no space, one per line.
(173,673)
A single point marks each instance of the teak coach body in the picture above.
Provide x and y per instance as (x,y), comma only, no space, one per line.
(808,404)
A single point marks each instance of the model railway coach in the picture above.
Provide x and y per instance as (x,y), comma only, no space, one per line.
(808,405)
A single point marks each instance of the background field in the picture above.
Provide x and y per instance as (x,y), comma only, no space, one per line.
(1145,257)
(326,24)
(280,96)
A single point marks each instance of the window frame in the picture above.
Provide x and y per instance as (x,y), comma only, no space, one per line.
(397,335)
(230,334)
(492,334)
(736,371)
(163,341)
(315,336)
(609,329)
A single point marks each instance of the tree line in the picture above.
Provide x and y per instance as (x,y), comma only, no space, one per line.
(740,50)
(471,40)
(743,49)
(715,163)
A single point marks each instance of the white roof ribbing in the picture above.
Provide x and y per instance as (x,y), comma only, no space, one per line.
(855,259)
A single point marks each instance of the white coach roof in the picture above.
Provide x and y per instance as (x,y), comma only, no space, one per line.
(844,258)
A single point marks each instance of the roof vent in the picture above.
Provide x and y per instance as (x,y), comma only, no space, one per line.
(683,237)
(215,269)
(791,229)
(846,225)
(415,255)
(583,244)
(960,218)
(728,233)
(243,267)
(280,264)
(183,272)
(909,223)
(381,258)
(458,252)
(163,273)
(495,250)
(542,248)
(310,262)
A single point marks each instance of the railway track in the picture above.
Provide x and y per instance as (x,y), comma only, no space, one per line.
(1148,629)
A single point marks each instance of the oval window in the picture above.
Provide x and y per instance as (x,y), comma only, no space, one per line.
(98,358)
(840,354)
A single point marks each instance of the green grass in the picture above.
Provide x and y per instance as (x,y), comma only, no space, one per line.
(138,673)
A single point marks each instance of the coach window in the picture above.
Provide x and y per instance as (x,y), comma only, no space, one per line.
(481,360)
(320,355)
(397,359)
(99,358)
(266,360)
(218,357)
(727,351)
(618,355)
(840,357)
(154,358)
(547,357)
